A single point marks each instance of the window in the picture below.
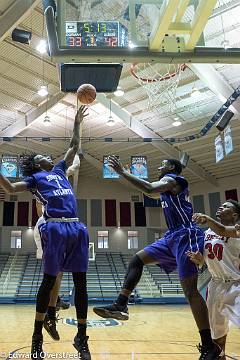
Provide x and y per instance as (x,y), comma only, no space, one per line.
(156,236)
(16,239)
(103,239)
(132,239)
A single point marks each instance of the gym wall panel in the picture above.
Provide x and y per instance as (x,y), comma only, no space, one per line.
(8,213)
(140,214)
(198,203)
(125,214)
(96,212)
(110,213)
(23,213)
(214,203)
(231,194)
(82,210)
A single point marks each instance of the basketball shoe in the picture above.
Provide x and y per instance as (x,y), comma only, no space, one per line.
(213,353)
(114,311)
(36,350)
(81,345)
(62,304)
(50,327)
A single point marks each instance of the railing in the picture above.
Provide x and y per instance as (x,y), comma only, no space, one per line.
(148,283)
(170,289)
(7,279)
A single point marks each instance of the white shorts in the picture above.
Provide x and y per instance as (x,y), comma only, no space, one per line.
(223,306)
(37,238)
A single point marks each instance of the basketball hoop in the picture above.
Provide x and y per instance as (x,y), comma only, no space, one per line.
(160,81)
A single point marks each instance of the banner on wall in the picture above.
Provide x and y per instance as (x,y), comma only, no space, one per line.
(108,171)
(9,166)
(219,148)
(139,166)
(228,143)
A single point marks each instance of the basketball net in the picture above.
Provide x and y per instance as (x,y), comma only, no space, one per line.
(160,82)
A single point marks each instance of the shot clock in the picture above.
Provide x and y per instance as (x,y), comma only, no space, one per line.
(101,34)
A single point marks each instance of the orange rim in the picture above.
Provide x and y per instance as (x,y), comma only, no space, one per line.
(149,80)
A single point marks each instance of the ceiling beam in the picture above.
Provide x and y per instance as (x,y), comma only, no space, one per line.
(21,125)
(14,15)
(141,130)
(215,82)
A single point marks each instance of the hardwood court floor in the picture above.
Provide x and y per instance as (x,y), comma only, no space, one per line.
(156,332)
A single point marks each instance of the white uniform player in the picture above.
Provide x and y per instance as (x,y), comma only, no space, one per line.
(37,237)
(222,256)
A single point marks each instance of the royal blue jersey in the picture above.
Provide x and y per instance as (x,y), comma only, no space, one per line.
(54,191)
(177,209)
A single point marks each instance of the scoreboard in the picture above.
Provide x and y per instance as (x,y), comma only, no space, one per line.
(101,34)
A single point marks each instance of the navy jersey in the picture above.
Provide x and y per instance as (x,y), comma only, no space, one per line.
(54,191)
(177,209)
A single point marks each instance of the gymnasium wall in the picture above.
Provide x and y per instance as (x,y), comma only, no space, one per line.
(93,194)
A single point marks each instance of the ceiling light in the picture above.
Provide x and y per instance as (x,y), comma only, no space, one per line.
(43,91)
(110,121)
(195,93)
(177,123)
(119,91)
(42,47)
(47,121)
(131,45)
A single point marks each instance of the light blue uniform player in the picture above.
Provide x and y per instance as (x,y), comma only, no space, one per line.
(170,251)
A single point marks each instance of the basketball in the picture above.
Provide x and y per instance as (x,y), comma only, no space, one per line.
(86,93)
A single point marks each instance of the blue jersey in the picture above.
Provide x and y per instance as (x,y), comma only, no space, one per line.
(54,191)
(177,209)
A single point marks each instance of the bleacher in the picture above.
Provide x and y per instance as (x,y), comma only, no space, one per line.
(105,278)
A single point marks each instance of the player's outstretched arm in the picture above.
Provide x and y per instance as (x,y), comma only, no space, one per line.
(218,228)
(12,188)
(151,189)
(75,140)
(74,167)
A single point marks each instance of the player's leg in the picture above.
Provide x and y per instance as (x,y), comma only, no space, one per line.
(43,298)
(50,319)
(156,253)
(222,343)
(81,304)
(192,239)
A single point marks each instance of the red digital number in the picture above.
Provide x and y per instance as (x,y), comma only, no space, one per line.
(214,251)
(71,41)
(78,41)
(111,41)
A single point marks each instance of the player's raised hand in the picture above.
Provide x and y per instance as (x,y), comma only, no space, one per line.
(237,227)
(200,218)
(115,163)
(196,257)
(81,114)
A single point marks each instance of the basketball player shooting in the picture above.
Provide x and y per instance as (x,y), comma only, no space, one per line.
(221,254)
(170,252)
(55,303)
(65,240)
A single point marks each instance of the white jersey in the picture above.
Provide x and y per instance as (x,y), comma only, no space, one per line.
(222,256)
(37,237)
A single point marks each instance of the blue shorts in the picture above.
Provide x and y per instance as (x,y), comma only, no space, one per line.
(65,247)
(170,250)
